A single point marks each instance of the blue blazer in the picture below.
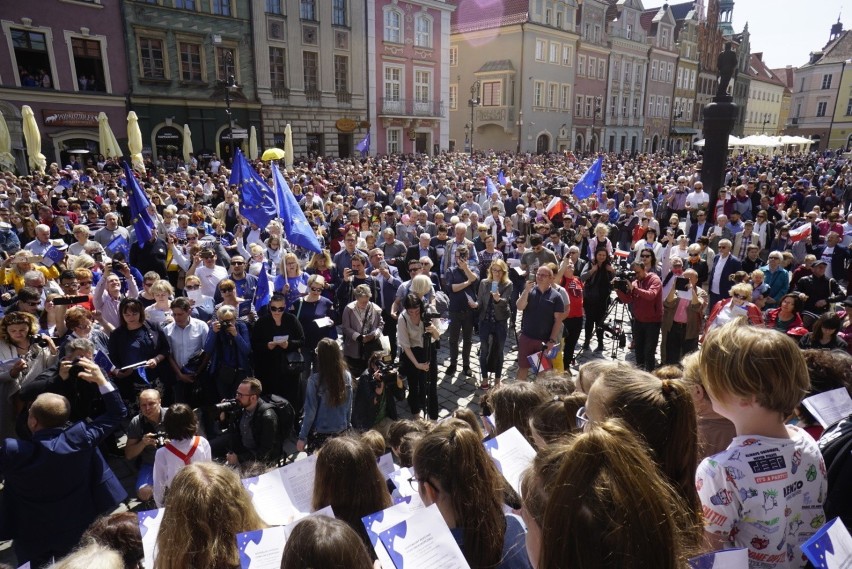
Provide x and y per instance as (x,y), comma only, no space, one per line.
(731,266)
(57,484)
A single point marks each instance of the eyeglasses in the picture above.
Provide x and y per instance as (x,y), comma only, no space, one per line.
(85,283)
(646,256)
(276,309)
(582,418)
(724,247)
(415,483)
(740,296)
(314,289)
(238,262)
(148,283)
(31,303)
(192,287)
(226,289)
(238,394)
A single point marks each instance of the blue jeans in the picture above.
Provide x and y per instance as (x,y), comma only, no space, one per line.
(499,329)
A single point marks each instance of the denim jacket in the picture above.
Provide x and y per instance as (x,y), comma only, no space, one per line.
(322,417)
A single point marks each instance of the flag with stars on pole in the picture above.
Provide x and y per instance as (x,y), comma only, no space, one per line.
(400,182)
(489,186)
(138,202)
(257,203)
(501,177)
(296,226)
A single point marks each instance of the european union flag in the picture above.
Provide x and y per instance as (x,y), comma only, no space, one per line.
(590,182)
(399,181)
(296,225)
(256,201)
(501,177)
(138,201)
(364,146)
(118,245)
(489,186)
(261,293)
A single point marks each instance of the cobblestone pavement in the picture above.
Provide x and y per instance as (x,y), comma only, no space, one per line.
(453,392)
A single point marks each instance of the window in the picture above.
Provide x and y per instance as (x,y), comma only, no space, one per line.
(32,57)
(538,94)
(679,77)
(548,17)
(554,52)
(341,74)
(394,136)
(627,73)
(578,106)
(565,98)
(393,90)
(221,7)
(88,64)
(601,69)
(624,106)
(338,12)
(310,71)
(190,62)
(692,79)
(553,95)
(225,58)
(559,19)
(492,94)
(589,102)
(669,72)
(567,55)
(613,106)
(308,10)
(540,48)
(393,26)
(654,72)
(849,107)
(821,106)
(826,81)
(666,102)
(652,99)
(278,67)
(454,97)
(423,31)
(185,4)
(422,91)
(581,65)
(593,65)
(665,38)
(659,108)
(273,6)
(454,56)
(640,73)
(151,60)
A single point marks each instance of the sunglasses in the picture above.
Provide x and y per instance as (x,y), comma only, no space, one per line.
(227,289)
(276,309)
(192,287)
(313,289)
(237,263)
(740,296)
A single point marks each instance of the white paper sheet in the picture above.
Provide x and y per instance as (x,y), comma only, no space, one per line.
(324,322)
(725,559)
(386,465)
(830,547)
(264,548)
(149,527)
(829,406)
(512,455)
(284,494)
(423,541)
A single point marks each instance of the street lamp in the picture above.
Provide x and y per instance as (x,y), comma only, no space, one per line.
(473,102)
(466,137)
(765,122)
(520,128)
(230,86)
(595,114)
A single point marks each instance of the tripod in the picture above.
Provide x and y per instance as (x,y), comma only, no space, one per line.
(614,326)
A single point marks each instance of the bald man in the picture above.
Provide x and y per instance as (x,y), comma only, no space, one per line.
(58,483)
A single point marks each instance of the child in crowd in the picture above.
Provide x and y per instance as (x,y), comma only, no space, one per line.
(766,491)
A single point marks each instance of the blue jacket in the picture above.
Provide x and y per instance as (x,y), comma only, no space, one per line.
(57,484)
(322,417)
(228,350)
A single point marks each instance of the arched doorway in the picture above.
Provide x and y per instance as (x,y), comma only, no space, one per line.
(817,139)
(542,144)
(849,142)
(578,144)
(678,145)
(655,143)
(593,143)
(168,143)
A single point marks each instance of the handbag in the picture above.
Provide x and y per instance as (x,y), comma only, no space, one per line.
(193,364)
(295,362)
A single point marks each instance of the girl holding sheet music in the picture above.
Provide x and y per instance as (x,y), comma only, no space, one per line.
(453,470)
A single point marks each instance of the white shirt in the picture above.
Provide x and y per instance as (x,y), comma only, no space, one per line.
(184,342)
(715,286)
(167,464)
(210,278)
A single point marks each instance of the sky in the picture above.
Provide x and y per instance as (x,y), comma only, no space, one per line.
(786,31)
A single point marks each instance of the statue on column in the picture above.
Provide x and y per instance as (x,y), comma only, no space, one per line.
(727,64)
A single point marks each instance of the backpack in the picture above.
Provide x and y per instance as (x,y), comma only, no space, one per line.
(285,412)
(836,447)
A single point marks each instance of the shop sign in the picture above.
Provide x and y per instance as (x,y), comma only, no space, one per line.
(69,118)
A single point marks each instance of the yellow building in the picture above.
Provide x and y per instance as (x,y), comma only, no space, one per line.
(765,98)
(841,124)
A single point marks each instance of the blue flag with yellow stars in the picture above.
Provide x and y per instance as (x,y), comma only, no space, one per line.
(298,230)
(257,203)
(138,202)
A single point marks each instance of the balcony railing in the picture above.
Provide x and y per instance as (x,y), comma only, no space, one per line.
(410,108)
(503,116)
(281,92)
(344,97)
(313,95)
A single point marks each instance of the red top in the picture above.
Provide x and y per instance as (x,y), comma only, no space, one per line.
(574,287)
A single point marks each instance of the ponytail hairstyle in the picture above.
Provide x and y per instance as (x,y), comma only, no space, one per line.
(662,413)
(600,503)
(452,460)
(556,419)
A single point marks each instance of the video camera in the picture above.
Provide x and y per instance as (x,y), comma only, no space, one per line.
(616,330)
(428,317)
(389,373)
(623,276)
(227,406)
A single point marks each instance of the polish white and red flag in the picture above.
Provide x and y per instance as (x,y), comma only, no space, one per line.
(555,207)
(800,233)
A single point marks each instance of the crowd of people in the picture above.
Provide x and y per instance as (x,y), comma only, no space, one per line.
(742,299)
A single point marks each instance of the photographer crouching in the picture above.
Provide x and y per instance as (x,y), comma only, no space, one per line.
(379,388)
(253,433)
(645,296)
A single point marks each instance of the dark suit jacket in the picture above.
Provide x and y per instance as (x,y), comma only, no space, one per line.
(388,290)
(412,253)
(58,483)
(693,231)
(838,260)
(732,265)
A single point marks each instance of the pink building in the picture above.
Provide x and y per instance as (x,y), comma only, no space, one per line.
(591,76)
(408,62)
(67,62)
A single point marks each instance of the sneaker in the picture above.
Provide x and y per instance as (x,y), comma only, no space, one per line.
(485,385)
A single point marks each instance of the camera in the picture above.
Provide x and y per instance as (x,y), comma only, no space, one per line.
(616,331)
(427,318)
(76,368)
(227,406)
(39,341)
(623,276)
(225,324)
(389,373)
(118,266)
(462,255)
(161,438)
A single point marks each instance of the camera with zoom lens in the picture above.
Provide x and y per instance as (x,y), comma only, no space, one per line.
(616,330)
(428,317)
(161,439)
(76,368)
(389,373)
(39,341)
(227,406)
(623,276)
